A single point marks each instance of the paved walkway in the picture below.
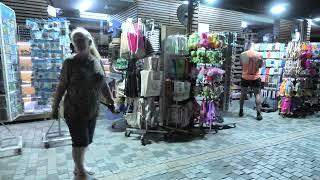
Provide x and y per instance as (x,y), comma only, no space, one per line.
(275,148)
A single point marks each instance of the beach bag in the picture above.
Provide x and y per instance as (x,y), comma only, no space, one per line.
(181,90)
(151,83)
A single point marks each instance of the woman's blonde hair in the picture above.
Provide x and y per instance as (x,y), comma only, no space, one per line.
(93,50)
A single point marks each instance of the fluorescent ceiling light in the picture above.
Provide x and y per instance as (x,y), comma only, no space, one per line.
(185,2)
(210,1)
(98,16)
(244,24)
(52,11)
(317,19)
(85,5)
(278,9)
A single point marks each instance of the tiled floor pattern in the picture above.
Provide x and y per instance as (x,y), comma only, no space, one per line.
(293,160)
(253,150)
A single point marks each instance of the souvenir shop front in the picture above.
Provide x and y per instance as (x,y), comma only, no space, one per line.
(162,90)
(166,80)
(159,89)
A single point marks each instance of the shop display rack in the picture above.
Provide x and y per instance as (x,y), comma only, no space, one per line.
(50,45)
(237,68)
(299,90)
(216,89)
(274,55)
(10,92)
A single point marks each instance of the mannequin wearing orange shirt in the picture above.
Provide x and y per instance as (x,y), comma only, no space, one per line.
(251,61)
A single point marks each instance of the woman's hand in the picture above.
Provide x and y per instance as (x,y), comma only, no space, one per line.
(112,108)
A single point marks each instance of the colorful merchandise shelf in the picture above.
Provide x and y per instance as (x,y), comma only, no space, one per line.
(10,92)
(50,45)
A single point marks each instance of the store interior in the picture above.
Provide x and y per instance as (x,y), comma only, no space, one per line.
(173,66)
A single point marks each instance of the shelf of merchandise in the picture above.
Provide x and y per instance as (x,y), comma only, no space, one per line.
(273,52)
(11,101)
(10,78)
(50,45)
(304,104)
(237,68)
(276,48)
(24,51)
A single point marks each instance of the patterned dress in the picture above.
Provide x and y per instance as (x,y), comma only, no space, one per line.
(82,82)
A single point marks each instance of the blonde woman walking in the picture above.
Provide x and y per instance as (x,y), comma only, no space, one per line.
(82,81)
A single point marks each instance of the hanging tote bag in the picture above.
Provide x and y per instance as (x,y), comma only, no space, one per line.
(124,46)
(151,83)
(180,68)
(181,90)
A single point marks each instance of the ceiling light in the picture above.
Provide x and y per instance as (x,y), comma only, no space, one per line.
(185,2)
(210,1)
(98,16)
(244,24)
(278,9)
(317,19)
(85,5)
(52,11)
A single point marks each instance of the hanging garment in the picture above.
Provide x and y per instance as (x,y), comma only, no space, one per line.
(180,68)
(141,51)
(186,114)
(124,46)
(298,89)
(132,42)
(289,88)
(283,88)
(211,114)
(148,47)
(131,80)
(153,37)
(176,45)
(203,111)
(172,74)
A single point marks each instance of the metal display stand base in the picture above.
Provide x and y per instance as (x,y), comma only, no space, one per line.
(144,134)
(16,146)
(221,126)
(55,136)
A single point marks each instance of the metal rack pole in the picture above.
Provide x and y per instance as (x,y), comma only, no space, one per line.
(55,136)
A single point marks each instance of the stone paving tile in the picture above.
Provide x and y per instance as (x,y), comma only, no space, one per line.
(113,154)
(292,172)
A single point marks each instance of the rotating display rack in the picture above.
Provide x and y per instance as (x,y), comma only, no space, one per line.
(10,92)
